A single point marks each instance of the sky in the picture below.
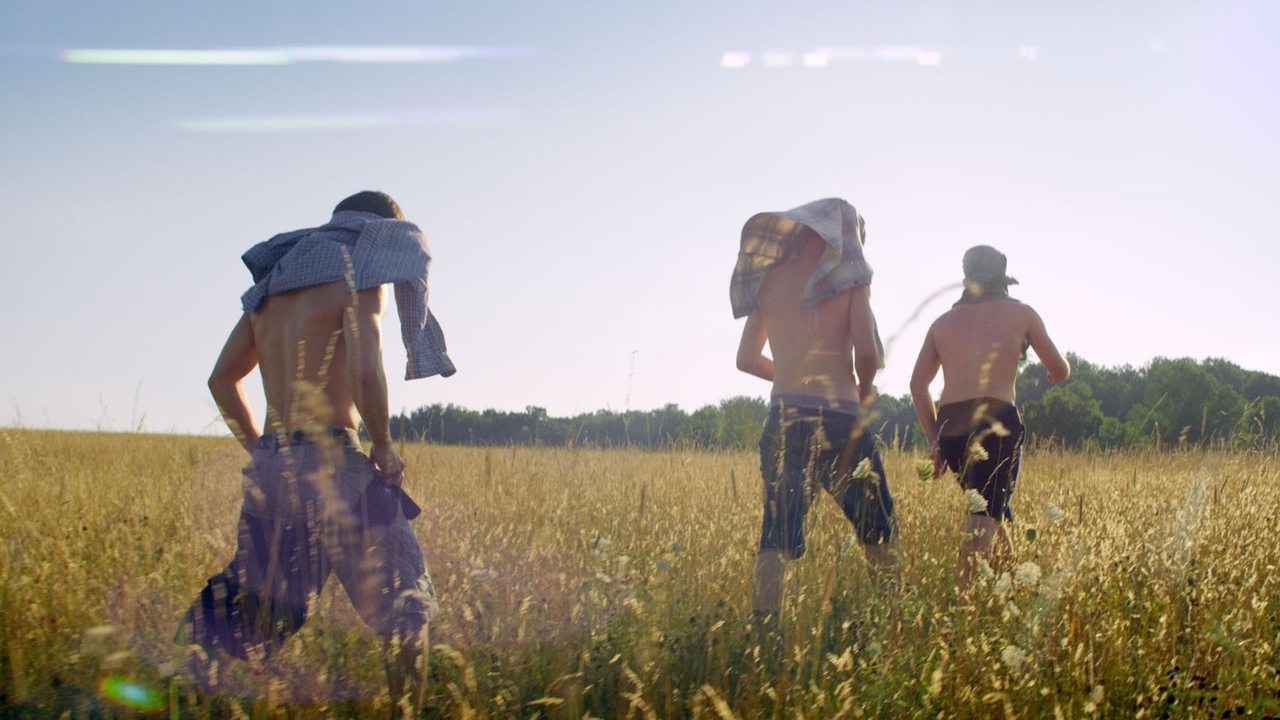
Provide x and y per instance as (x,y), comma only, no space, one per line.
(582,172)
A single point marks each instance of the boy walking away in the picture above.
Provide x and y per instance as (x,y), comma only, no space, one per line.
(314,503)
(977,430)
(804,286)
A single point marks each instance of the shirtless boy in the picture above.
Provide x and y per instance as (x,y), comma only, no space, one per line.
(314,503)
(804,286)
(977,430)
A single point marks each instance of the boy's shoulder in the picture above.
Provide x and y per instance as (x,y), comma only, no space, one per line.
(1006,306)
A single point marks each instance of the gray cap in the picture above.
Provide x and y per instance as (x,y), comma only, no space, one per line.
(985,264)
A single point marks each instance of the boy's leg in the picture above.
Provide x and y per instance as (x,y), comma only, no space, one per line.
(382,569)
(985,538)
(868,506)
(766,596)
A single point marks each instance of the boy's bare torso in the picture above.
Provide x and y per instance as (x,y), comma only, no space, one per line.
(980,346)
(811,347)
(302,355)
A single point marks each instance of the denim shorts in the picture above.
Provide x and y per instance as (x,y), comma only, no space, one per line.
(811,444)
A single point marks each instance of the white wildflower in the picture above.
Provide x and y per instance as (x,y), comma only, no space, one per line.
(117,660)
(1055,513)
(1096,696)
(100,640)
(999,430)
(974,501)
(977,453)
(484,575)
(1028,573)
(1013,657)
(1003,585)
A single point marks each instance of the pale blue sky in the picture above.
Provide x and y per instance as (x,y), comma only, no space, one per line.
(583,175)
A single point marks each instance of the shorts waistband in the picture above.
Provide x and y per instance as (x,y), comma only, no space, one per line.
(271,441)
(962,416)
(848,407)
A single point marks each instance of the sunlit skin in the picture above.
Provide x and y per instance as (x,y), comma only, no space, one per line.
(323,338)
(816,352)
(316,337)
(978,347)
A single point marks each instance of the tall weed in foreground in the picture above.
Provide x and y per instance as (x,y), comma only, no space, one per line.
(615,584)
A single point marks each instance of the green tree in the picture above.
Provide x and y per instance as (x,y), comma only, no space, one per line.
(1065,413)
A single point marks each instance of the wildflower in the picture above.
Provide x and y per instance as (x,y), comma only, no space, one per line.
(1013,657)
(863,471)
(974,501)
(1096,695)
(924,470)
(977,453)
(1028,573)
(100,640)
(484,575)
(1055,513)
(999,430)
(1003,585)
(117,660)
(677,547)
(662,564)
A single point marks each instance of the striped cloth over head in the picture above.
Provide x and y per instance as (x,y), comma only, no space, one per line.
(765,239)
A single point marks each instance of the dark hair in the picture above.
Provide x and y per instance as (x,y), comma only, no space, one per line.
(372,201)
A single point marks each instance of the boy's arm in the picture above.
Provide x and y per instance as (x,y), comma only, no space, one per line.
(751,357)
(866,343)
(926,369)
(238,358)
(1055,365)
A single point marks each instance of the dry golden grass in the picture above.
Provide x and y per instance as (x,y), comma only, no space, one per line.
(616,584)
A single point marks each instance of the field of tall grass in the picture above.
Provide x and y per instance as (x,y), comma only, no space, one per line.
(616,584)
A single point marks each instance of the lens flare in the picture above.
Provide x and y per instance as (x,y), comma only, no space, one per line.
(131,694)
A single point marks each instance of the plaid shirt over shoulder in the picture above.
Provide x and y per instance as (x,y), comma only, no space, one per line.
(378,251)
(766,236)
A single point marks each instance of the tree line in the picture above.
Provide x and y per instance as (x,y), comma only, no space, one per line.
(1168,402)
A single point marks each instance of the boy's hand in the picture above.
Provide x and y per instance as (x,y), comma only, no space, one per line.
(939,463)
(867,396)
(387,464)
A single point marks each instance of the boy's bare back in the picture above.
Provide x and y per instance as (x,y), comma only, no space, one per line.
(814,349)
(302,345)
(980,346)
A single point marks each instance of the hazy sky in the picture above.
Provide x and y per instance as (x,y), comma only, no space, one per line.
(582,171)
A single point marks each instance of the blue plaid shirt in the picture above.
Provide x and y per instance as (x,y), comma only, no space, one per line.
(377,251)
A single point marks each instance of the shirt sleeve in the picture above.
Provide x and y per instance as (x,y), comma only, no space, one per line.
(423,338)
